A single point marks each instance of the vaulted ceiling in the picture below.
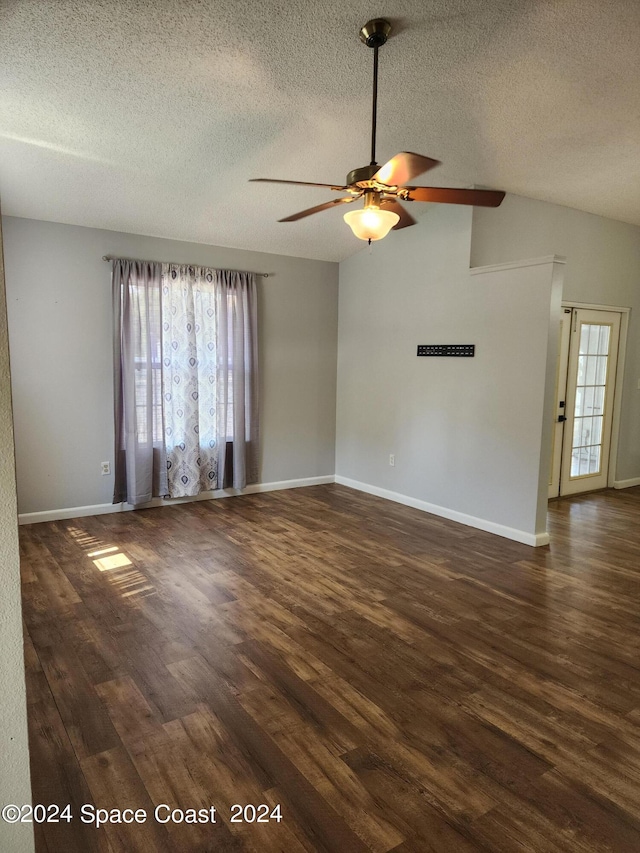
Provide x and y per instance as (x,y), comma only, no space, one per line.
(150,116)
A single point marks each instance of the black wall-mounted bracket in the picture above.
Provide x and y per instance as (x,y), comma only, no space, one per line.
(455,350)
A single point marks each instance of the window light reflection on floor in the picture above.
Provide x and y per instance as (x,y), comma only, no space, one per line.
(114,561)
(108,558)
(102,551)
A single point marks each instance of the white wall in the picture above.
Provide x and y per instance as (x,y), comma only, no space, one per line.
(15,786)
(467,434)
(603,267)
(59,304)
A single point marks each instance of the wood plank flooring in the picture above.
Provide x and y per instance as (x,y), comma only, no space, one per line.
(395,681)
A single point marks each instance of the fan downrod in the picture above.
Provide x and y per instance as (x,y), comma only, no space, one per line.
(375,32)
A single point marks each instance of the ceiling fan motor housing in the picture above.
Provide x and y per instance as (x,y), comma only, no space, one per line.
(376,32)
(361,175)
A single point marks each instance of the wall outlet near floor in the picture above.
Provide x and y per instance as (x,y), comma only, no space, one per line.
(392,459)
(105,468)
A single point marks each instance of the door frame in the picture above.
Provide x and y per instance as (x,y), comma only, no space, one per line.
(619,377)
(562,379)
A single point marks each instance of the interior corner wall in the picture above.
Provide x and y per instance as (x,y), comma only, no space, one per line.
(15,785)
(466,433)
(59,307)
(603,268)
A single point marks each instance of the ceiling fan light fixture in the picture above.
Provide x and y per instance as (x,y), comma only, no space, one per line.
(371,223)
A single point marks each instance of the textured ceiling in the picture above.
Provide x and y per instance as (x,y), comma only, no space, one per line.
(149,117)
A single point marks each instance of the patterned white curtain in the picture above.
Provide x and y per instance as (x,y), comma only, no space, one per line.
(189,378)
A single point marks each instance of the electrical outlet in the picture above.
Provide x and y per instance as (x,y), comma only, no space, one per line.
(105,468)
(392,459)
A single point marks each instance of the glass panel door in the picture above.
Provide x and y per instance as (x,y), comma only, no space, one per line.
(591,377)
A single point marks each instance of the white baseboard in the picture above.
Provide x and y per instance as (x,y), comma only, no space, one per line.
(522,536)
(626,484)
(460,517)
(68,512)
(103,509)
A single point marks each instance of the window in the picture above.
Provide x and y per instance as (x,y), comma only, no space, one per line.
(179,327)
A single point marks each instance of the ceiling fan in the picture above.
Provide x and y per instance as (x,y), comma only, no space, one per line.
(383,187)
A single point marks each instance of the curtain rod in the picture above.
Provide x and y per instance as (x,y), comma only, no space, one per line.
(113,258)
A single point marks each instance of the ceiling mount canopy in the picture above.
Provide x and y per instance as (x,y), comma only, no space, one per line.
(376,32)
(383,186)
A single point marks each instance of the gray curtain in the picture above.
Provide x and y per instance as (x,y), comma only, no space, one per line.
(140,460)
(237,385)
(186,380)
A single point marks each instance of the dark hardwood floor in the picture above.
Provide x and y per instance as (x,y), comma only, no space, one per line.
(395,681)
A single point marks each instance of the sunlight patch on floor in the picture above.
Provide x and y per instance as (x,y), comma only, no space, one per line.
(112,560)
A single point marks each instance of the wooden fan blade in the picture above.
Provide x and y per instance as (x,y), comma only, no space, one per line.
(296,183)
(404,167)
(405,218)
(445,195)
(295,216)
